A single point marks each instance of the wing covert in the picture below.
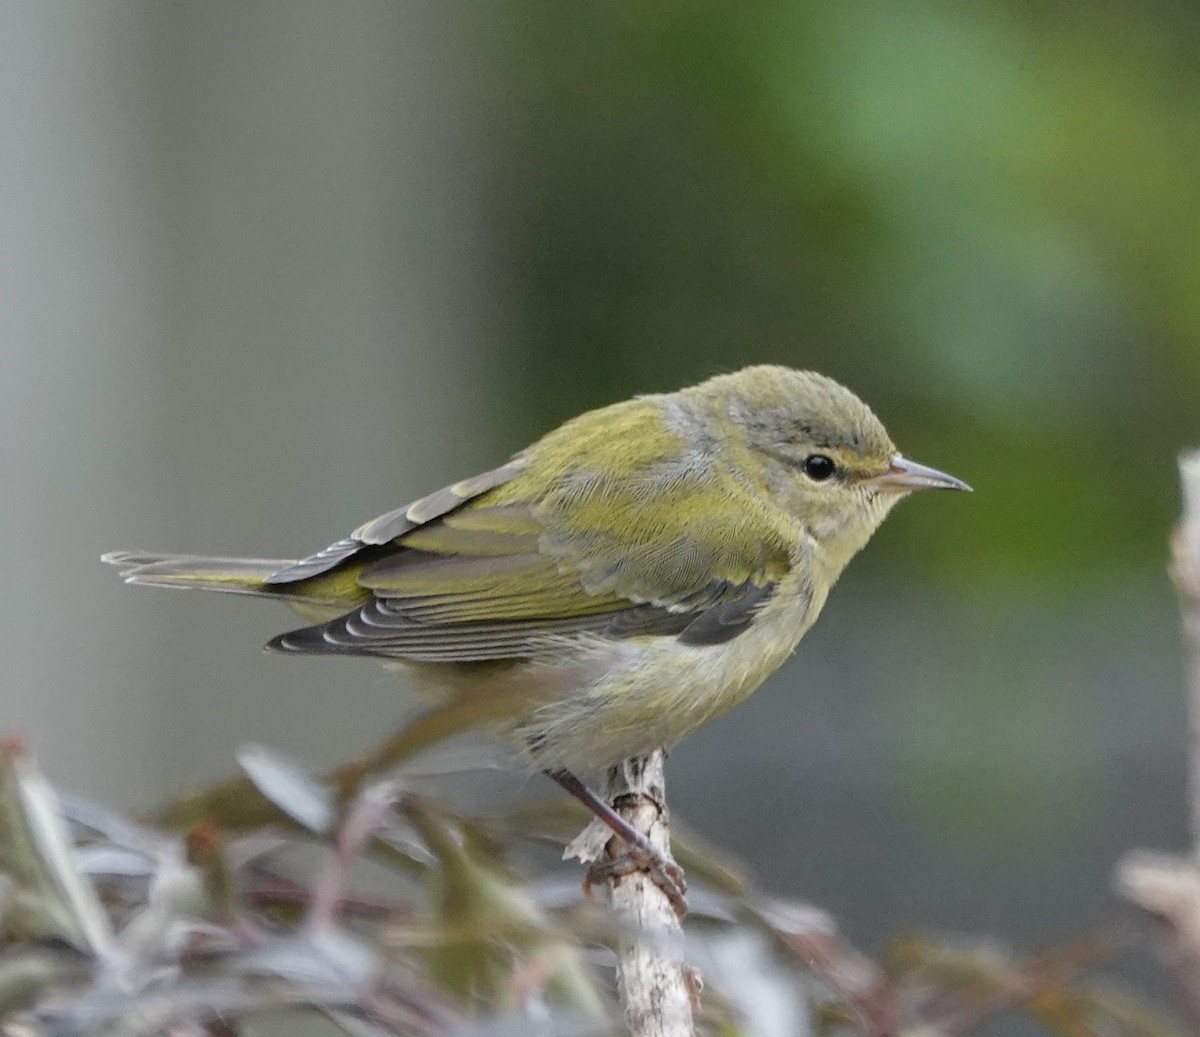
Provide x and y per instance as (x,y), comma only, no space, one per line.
(396,523)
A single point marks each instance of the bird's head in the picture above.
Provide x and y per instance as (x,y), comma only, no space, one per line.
(819,451)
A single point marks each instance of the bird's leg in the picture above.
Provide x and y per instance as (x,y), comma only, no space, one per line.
(639,855)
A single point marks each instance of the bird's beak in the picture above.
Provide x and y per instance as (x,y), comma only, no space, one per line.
(904,476)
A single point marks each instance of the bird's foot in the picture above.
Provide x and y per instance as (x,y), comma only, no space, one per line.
(639,855)
(645,859)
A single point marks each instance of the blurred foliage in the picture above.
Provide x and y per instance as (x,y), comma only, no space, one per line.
(984,218)
(111,927)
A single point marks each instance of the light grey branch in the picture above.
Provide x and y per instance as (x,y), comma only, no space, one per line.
(655,985)
(1169,887)
(1186,571)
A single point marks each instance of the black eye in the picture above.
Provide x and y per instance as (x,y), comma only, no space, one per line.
(818,467)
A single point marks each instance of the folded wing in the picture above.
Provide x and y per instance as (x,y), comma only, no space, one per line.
(500,577)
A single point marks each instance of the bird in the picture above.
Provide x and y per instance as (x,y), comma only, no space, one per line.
(626,578)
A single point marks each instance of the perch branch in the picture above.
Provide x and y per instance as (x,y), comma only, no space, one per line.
(656,987)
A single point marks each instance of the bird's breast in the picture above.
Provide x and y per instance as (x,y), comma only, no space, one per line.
(624,698)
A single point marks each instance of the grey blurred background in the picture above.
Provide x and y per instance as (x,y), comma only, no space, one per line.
(270,269)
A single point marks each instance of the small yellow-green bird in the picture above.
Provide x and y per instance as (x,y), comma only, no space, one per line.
(629,576)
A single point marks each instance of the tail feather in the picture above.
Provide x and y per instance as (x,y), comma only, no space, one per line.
(229,575)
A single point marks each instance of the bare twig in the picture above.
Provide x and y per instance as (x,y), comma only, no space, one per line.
(1185,569)
(656,987)
(1168,888)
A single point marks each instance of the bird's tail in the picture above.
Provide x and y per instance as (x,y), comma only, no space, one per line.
(230,575)
(317,600)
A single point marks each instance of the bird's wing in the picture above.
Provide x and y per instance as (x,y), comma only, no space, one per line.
(394,524)
(494,578)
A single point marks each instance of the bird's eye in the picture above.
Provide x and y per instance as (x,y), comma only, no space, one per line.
(818,467)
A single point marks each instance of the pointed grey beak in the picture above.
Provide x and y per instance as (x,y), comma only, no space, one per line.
(903,476)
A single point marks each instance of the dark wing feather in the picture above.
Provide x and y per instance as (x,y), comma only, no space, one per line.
(396,629)
(730,616)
